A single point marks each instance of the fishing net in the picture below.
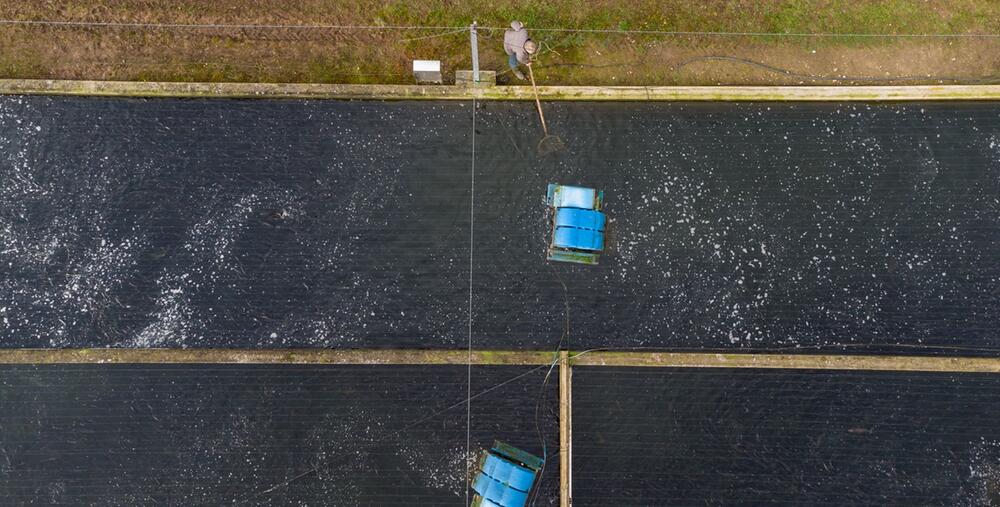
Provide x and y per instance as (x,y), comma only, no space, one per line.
(550,143)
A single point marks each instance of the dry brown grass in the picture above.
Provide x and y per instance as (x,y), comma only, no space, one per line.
(383,56)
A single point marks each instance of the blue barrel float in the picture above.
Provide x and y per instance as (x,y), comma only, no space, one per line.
(577,224)
(506,476)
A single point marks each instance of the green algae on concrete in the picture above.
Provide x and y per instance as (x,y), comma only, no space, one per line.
(272,356)
(502,357)
(789,361)
(442,92)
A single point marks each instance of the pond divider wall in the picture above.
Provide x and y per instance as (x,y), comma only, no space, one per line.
(447,92)
(645,359)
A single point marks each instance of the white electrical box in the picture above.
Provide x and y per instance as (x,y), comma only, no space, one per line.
(427,71)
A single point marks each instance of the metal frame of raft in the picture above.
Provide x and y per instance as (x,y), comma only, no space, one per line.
(578,224)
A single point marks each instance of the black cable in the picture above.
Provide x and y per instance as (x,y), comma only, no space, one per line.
(544,395)
(316,468)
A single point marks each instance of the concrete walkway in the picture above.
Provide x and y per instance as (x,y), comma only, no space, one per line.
(503,357)
(447,92)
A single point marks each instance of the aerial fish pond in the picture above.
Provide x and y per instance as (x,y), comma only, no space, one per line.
(229,223)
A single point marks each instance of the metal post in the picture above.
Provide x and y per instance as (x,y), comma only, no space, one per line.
(475,52)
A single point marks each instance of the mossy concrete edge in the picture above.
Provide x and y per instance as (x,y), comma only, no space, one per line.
(502,357)
(439,92)
(272,356)
(791,361)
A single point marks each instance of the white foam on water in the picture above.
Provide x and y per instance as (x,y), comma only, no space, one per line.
(984,474)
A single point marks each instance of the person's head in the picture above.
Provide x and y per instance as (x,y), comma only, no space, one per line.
(516,25)
(530,47)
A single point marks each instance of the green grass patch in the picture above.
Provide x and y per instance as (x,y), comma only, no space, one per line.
(383,56)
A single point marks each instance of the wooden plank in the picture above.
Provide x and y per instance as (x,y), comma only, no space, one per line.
(565,431)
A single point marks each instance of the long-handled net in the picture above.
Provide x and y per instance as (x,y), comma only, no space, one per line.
(550,143)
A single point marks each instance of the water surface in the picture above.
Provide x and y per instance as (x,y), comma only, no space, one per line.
(211,223)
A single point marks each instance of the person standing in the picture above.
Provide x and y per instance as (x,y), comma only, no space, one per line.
(519,47)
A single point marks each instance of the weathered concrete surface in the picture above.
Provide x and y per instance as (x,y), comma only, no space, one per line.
(410,92)
(273,356)
(789,361)
(501,357)
(486,78)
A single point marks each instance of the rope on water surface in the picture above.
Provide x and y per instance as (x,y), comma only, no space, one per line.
(543,394)
(413,424)
(472,236)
